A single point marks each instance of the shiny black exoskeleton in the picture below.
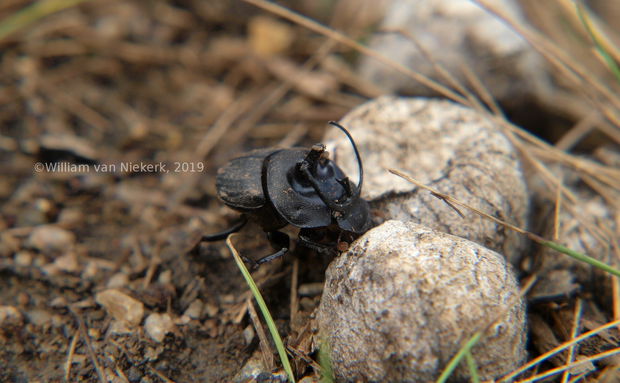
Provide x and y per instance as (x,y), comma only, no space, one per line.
(298,186)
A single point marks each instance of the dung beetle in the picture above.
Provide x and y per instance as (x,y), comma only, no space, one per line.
(299,186)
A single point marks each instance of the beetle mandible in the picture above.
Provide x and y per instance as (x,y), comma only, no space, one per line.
(299,186)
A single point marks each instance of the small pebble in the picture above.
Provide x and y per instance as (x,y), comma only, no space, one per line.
(248,334)
(24,258)
(59,302)
(251,369)
(121,306)
(39,317)
(120,327)
(195,309)
(67,263)
(118,280)
(158,325)
(589,228)
(50,239)
(211,310)
(8,243)
(310,289)
(70,217)
(134,374)
(91,270)
(10,316)
(165,277)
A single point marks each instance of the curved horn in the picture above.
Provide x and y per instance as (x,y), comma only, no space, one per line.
(357,155)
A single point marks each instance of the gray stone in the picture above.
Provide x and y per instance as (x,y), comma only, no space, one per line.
(448,147)
(400,303)
(456,34)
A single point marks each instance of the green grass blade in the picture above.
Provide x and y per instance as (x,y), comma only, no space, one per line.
(473,367)
(327,371)
(582,257)
(264,310)
(32,13)
(454,362)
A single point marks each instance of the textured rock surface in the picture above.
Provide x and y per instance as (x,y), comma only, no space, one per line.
(400,303)
(456,34)
(448,147)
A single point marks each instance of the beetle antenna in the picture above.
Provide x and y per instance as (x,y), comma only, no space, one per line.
(357,155)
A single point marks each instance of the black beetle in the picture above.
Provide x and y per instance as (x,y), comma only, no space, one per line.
(297,186)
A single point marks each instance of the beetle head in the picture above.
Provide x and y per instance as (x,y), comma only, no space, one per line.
(336,191)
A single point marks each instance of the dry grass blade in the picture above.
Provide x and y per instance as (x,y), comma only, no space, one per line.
(294,309)
(341,38)
(451,200)
(557,350)
(70,355)
(265,346)
(557,370)
(89,346)
(534,237)
(573,335)
(570,68)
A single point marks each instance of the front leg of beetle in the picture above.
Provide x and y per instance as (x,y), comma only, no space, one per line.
(223,234)
(278,240)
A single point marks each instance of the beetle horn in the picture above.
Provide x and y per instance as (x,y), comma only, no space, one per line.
(357,155)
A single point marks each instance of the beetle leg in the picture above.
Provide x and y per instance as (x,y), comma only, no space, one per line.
(278,240)
(346,184)
(271,257)
(223,234)
(306,240)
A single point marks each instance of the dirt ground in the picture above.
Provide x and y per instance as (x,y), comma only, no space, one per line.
(151,98)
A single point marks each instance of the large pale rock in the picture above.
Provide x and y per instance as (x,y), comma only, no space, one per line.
(399,304)
(448,147)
